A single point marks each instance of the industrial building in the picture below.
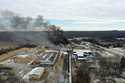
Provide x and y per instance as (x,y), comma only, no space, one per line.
(35,74)
(83,54)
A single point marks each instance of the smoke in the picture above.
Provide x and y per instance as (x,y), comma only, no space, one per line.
(12,21)
(56,35)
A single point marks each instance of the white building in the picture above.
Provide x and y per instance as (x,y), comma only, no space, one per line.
(35,73)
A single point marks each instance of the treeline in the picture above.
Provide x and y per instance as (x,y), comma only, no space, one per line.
(96,34)
(106,42)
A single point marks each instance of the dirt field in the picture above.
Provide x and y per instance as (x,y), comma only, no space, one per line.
(12,53)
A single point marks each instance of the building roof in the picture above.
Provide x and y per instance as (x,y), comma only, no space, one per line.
(23,55)
(82,50)
(37,71)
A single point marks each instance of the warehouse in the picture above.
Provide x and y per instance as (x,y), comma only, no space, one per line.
(35,74)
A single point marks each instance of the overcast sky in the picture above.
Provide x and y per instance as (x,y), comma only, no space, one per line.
(73,14)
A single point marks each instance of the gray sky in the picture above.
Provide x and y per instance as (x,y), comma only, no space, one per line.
(73,14)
